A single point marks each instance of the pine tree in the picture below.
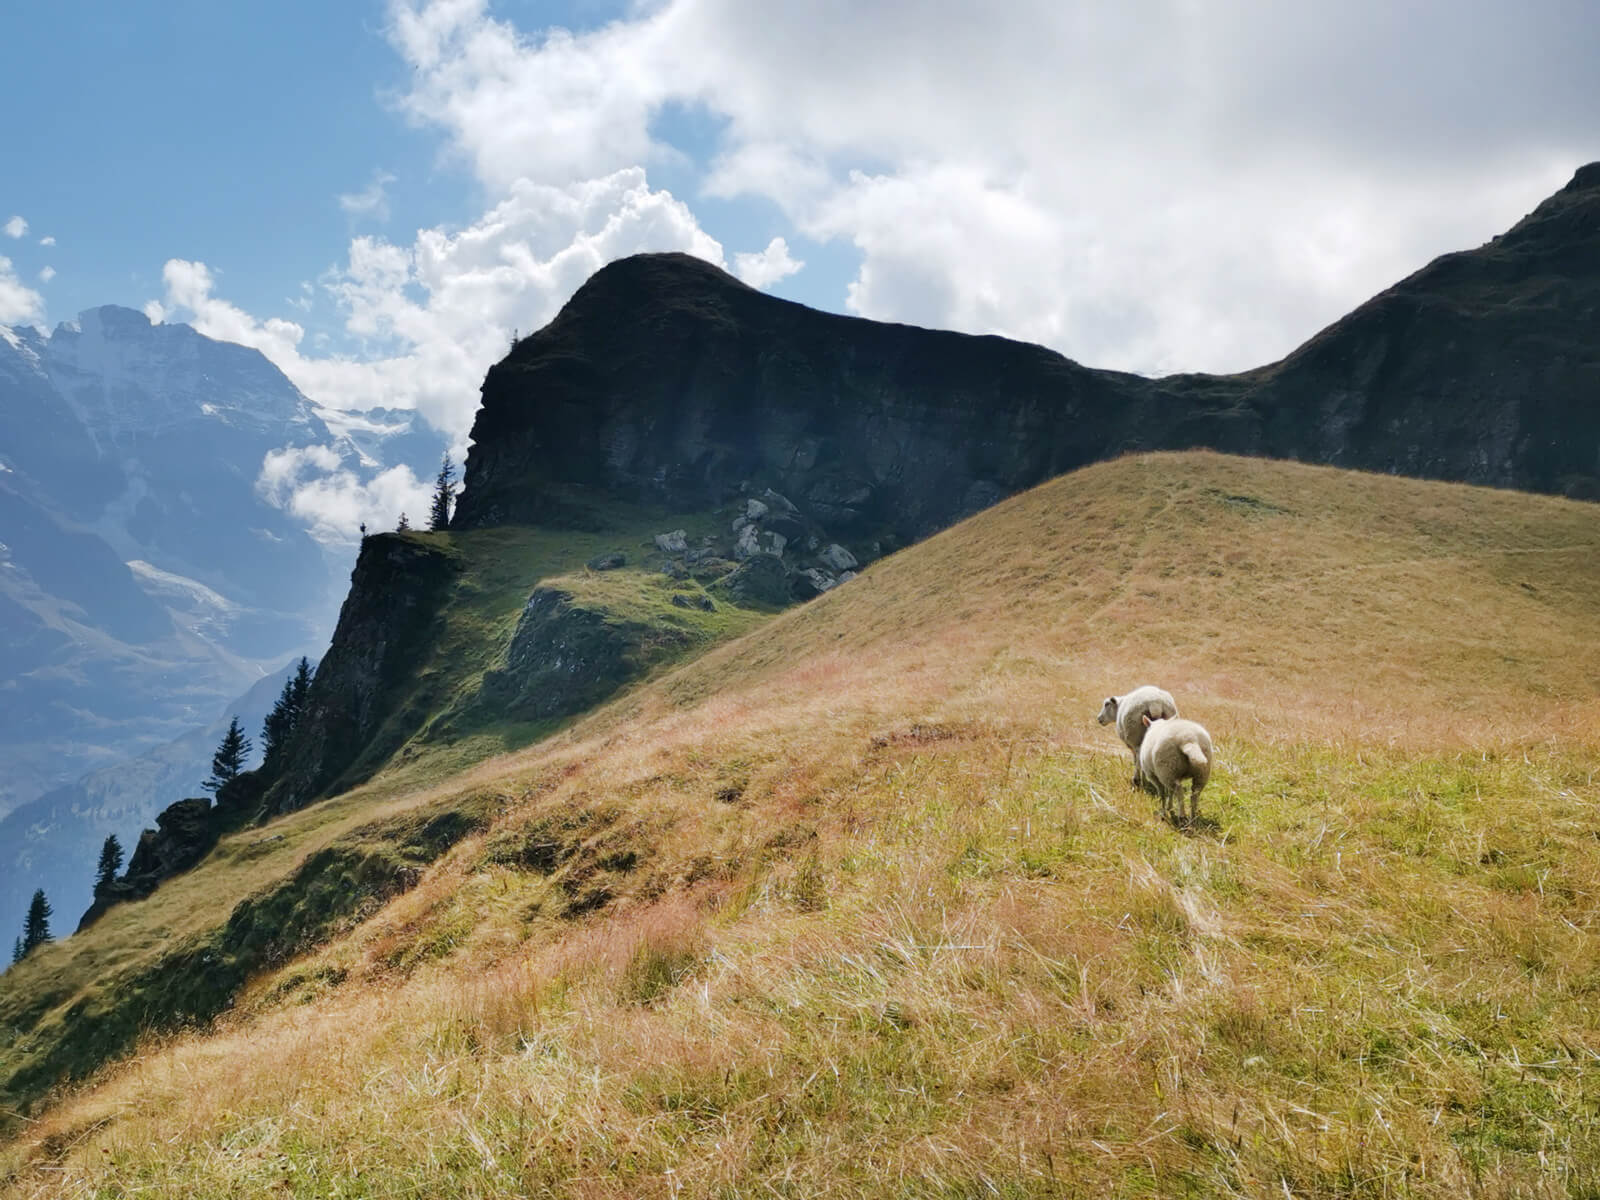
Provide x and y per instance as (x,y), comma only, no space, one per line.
(444,491)
(228,761)
(302,687)
(110,862)
(277,726)
(404,526)
(285,716)
(17,952)
(36,927)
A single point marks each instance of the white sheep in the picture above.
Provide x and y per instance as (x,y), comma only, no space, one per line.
(1174,750)
(1129,713)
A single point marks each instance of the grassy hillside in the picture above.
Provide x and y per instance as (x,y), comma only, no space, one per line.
(861,903)
(436,713)
(180,957)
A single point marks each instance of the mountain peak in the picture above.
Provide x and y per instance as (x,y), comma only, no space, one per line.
(659,283)
(665,267)
(112,320)
(1585,179)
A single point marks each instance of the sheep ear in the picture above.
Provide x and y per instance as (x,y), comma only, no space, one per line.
(1146,720)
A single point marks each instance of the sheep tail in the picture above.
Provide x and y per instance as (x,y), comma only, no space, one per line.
(1197,756)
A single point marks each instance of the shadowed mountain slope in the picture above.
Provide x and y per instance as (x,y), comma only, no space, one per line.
(665,378)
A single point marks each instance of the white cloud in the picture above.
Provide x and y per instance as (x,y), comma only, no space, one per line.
(312,483)
(19,304)
(1150,185)
(371,201)
(551,108)
(768,267)
(511,269)
(14,228)
(46,274)
(188,290)
(47,241)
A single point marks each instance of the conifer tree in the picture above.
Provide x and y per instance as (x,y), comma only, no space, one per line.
(444,491)
(36,926)
(278,725)
(228,761)
(16,952)
(302,686)
(404,526)
(285,716)
(110,862)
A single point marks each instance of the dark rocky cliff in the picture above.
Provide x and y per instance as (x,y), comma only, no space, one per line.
(1483,367)
(396,590)
(666,378)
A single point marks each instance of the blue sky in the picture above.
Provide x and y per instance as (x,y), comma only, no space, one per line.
(226,133)
(218,132)
(374,193)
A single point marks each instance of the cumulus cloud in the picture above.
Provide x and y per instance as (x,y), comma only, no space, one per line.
(19,304)
(371,201)
(46,274)
(768,267)
(312,483)
(1148,184)
(14,228)
(432,316)
(189,287)
(47,241)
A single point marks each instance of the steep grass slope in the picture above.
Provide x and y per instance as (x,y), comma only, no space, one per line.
(862,903)
(429,615)
(263,895)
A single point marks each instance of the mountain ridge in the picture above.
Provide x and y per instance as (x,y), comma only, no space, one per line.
(665,376)
(666,381)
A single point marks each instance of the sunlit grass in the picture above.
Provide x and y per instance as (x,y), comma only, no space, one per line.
(863,904)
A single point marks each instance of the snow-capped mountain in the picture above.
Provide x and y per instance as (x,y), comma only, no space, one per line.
(145,579)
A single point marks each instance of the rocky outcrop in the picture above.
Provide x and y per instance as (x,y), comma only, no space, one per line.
(666,379)
(184,834)
(760,582)
(388,621)
(562,658)
(1482,367)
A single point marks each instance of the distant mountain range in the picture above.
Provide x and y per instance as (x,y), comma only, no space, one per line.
(145,583)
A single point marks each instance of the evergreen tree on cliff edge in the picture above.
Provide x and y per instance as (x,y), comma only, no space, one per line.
(228,761)
(110,862)
(443,492)
(285,716)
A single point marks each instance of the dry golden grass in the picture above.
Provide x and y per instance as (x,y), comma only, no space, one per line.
(862,903)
